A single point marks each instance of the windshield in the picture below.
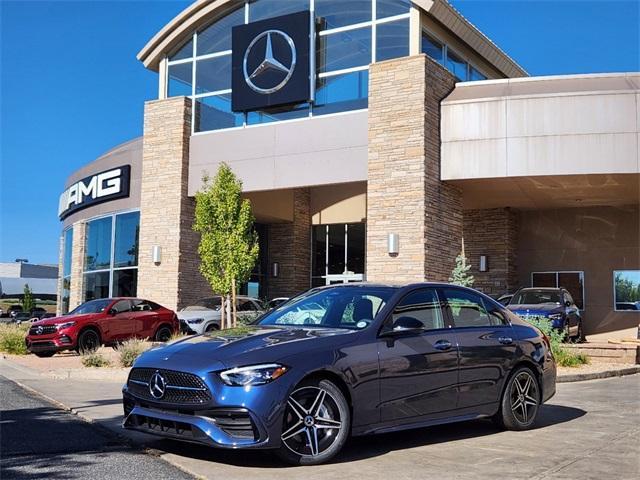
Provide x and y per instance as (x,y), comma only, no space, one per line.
(338,307)
(535,297)
(204,304)
(93,306)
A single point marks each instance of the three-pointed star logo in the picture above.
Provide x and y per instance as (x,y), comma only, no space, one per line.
(269,62)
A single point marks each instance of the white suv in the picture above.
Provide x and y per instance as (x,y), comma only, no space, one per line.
(204,315)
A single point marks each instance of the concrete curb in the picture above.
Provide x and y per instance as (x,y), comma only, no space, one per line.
(580,377)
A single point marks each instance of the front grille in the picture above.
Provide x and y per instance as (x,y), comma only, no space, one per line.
(181,387)
(179,429)
(46,330)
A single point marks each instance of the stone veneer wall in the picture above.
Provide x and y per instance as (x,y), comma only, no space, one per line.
(290,245)
(60,275)
(166,213)
(404,191)
(77,265)
(492,232)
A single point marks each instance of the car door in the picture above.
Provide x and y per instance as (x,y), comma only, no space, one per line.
(146,319)
(418,369)
(121,323)
(486,346)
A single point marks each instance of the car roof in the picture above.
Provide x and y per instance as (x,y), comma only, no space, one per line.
(543,289)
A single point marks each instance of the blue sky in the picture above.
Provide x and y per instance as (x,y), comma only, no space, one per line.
(71,87)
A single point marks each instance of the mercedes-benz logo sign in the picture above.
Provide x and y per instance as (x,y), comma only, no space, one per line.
(269,63)
(157,385)
(39,330)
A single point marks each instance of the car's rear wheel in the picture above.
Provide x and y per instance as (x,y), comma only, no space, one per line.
(45,354)
(88,341)
(163,334)
(520,401)
(316,423)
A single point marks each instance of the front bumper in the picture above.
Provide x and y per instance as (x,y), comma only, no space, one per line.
(46,343)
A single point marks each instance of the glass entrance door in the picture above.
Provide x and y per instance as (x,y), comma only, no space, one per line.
(338,253)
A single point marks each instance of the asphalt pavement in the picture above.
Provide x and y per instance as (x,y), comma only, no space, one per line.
(40,441)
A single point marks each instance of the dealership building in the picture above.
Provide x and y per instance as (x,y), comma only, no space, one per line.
(371,137)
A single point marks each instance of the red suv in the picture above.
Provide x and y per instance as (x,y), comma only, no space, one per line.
(106,321)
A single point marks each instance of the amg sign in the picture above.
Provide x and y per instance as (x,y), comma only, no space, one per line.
(95,189)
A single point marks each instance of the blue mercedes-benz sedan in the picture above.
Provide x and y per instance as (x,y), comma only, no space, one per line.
(344,360)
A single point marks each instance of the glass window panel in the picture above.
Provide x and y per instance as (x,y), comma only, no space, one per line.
(456,65)
(68,245)
(626,290)
(338,13)
(186,51)
(432,48)
(392,40)
(544,279)
(213,74)
(573,282)
(66,292)
(125,282)
(217,36)
(126,248)
(342,93)
(467,308)
(344,50)
(214,113)
(475,75)
(273,8)
(180,79)
(389,8)
(336,249)
(421,305)
(319,250)
(355,247)
(98,244)
(96,285)
(277,114)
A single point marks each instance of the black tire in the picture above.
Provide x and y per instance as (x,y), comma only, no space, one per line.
(520,401)
(315,411)
(163,334)
(211,328)
(579,338)
(45,354)
(88,341)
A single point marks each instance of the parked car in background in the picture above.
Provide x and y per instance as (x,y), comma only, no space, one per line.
(106,321)
(47,315)
(276,302)
(556,304)
(13,310)
(204,315)
(505,299)
(22,317)
(627,305)
(38,312)
(380,359)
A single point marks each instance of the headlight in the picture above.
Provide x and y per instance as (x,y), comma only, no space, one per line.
(555,316)
(62,326)
(195,321)
(252,375)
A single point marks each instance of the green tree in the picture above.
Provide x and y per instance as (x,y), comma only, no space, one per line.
(460,274)
(228,243)
(27,299)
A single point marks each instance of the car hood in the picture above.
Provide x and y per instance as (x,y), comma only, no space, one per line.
(535,309)
(239,346)
(64,319)
(191,314)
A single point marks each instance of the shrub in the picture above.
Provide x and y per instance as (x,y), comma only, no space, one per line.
(12,338)
(130,350)
(564,357)
(95,360)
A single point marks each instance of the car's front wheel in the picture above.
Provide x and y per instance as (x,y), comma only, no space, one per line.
(520,401)
(316,423)
(88,341)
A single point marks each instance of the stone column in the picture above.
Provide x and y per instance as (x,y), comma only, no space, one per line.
(166,212)
(60,275)
(404,192)
(78,251)
(492,232)
(290,246)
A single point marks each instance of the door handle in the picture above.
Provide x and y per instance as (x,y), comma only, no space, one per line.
(442,345)
(505,340)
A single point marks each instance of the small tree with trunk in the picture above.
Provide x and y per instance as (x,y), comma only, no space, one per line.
(228,243)
(28,303)
(460,274)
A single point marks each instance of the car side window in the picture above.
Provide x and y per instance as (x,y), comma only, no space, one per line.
(467,308)
(569,298)
(141,306)
(421,305)
(246,306)
(496,316)
(122,306)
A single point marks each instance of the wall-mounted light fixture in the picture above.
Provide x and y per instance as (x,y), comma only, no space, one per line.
(156,254)
(393,244)
(484,263)
(275,269)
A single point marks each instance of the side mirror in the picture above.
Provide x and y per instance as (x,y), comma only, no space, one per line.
(404,325)
(112,311)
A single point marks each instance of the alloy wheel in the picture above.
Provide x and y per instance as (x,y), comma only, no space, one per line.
(312,421)
(89,341)
(524,397)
